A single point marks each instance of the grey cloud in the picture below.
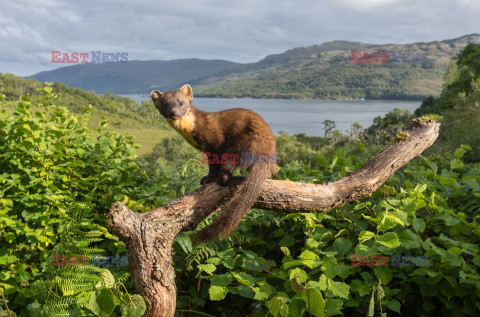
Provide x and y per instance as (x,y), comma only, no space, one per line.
(242,31)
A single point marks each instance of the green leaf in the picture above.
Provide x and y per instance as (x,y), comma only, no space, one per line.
(300,274)
(102,302)
(456,164)
(217,292)
(134,308)
(244,278)
(315,303)
(451,280)
(257,264)
(108,278)
(287,241)
(333,307)
(383,273)
(4,275)
(297,286)
(394,305)
(459,152)
(365,235)
(371,308)
(453,258)
(309,259)
(418,225)
(229,257)
(342,245)
(260,294)
(285,251)
(245,291)
(450,220)
(323,282)
(446,181)
(277,306)
(389,239)
(264,288)
(340,289)
(221,279)
(297,307)
(207,268)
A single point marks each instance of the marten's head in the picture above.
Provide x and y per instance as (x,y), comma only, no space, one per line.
(173,104)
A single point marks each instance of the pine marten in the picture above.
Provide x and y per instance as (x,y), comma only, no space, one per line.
(239,132)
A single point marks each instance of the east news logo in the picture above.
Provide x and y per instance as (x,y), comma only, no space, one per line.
(396,260)
(97,57)
(388,57)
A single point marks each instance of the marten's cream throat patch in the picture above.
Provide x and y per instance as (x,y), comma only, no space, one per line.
(185,126)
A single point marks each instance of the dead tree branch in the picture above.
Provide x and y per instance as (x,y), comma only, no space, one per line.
(149,236)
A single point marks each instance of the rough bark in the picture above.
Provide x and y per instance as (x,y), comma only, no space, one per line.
(149,236)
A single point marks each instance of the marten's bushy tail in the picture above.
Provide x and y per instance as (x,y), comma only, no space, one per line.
(242,200)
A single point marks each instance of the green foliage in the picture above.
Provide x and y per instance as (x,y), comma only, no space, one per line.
(459,105)
(328,125)
(300,264)
(321,79)
(383,129)
(50,165)
(463,71)
(142,122)
(460,124)
(77,288)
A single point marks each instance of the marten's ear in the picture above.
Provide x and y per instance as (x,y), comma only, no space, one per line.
(155,94)
(187,91)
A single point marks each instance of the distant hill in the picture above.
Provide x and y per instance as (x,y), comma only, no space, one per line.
(326,71)
(134,76)
(321,71)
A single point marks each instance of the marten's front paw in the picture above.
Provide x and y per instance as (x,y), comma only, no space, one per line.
(206,179)
(222,180)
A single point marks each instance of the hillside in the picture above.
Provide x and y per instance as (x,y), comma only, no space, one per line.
(123,114)
(134,76)
(326,71)
(321,71)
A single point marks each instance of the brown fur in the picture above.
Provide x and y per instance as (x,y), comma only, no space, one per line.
(232,131)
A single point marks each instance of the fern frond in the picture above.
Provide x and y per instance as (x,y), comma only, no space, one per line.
(78,277)
(71,287)
(62,307)
(198,255)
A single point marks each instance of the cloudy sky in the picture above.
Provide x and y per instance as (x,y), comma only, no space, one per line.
(240,31)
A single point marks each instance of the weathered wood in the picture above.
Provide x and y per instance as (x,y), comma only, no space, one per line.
(149,236)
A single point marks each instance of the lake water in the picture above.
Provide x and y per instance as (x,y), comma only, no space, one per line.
(304,116)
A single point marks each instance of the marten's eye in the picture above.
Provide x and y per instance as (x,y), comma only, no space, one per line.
(181,103)
(165,105)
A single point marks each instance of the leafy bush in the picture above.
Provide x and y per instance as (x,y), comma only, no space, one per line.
(72,286)
(49,164)
(425,220)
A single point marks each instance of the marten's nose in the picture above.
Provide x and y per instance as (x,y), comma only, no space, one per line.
(174,111)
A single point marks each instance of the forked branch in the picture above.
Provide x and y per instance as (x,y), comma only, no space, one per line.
(149,236)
